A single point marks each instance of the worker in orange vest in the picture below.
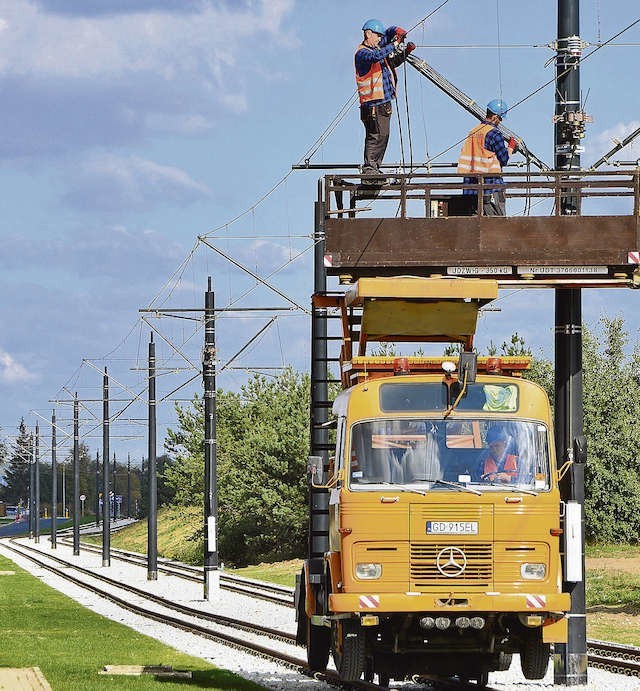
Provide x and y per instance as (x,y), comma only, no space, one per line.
(484,152)
(376,58)
(500,464)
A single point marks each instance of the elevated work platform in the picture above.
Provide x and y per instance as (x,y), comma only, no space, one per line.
(427,229)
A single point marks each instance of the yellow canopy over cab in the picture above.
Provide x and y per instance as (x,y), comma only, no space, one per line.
(410,308)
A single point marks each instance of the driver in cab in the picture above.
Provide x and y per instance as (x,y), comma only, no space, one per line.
(500,464)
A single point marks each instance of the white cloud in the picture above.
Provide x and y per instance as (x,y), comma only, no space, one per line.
(606,140)
(108,182)
(37,43)
(74,81)
(12,371)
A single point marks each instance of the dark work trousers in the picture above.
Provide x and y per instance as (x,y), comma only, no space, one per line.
(376,121)
(494,204)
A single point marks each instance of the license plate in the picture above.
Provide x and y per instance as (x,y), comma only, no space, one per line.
(452,527)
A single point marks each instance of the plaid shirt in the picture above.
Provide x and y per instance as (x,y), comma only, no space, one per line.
(493,141)
(365,57)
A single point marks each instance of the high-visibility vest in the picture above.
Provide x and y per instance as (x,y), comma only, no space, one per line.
(509,466)
(370,86)
(474,158)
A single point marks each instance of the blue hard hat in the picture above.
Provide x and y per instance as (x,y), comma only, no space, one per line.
(498,106)
(496,433)
(374,25)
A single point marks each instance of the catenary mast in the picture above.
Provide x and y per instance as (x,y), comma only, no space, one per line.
(570,664)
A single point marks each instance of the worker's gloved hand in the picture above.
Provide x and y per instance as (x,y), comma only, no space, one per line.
(410,47)
(400,34)
(513,144)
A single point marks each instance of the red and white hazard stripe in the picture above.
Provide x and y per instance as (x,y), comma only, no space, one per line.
(328,261)
(633,258)
(369,601)
(536,601)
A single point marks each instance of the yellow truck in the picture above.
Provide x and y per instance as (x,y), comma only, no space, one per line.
(444,513)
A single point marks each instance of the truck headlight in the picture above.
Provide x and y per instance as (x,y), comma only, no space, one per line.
(533,572)
(368,571)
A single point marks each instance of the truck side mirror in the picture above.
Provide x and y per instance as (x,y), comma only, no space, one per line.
(468,363)
(315,467)
(580,449)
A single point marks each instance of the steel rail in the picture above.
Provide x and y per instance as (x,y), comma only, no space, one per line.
(285,659)
(618,658)
(277,594)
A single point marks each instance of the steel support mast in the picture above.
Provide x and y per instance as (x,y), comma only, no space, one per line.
(76,475)
(152,484)
(570,659)
(210,452)
(106,517)
(36,525)
(54,482)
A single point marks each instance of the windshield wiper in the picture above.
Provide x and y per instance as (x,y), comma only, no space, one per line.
(513,489)
(455,485)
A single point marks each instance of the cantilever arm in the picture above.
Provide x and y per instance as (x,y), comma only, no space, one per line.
(470,106)
(620,145)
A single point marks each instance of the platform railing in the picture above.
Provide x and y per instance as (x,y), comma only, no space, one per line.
(443,194)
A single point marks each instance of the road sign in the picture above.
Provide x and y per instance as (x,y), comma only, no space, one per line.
(83,497)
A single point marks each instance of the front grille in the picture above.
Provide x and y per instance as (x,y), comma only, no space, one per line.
(424,564)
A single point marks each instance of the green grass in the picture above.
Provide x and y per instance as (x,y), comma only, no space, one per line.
(283,573)
(613,589)
(71,644)
(612,550)
(179,535)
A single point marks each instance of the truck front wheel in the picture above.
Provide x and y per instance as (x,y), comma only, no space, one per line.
(534,655)
(348,646)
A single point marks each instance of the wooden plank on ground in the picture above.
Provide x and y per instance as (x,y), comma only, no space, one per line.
(23,679)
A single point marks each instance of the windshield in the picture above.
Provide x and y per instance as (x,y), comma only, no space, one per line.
(478,453)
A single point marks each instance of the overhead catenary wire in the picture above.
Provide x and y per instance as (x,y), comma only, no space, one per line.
(543,86)
(499,48)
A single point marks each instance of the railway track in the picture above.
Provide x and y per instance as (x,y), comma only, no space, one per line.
(159,614)
(270,592)
(262,649)
(612,657)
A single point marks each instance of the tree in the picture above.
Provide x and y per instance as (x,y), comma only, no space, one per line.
(17,475)
(262,446)
(612,427)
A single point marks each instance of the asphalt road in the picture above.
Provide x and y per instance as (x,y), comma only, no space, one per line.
(22,527)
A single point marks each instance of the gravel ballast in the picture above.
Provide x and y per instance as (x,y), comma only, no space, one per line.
(269,674)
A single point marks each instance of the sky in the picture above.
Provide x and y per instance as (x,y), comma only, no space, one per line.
(130,128)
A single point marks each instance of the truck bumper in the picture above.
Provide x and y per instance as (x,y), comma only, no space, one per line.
(374,603)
